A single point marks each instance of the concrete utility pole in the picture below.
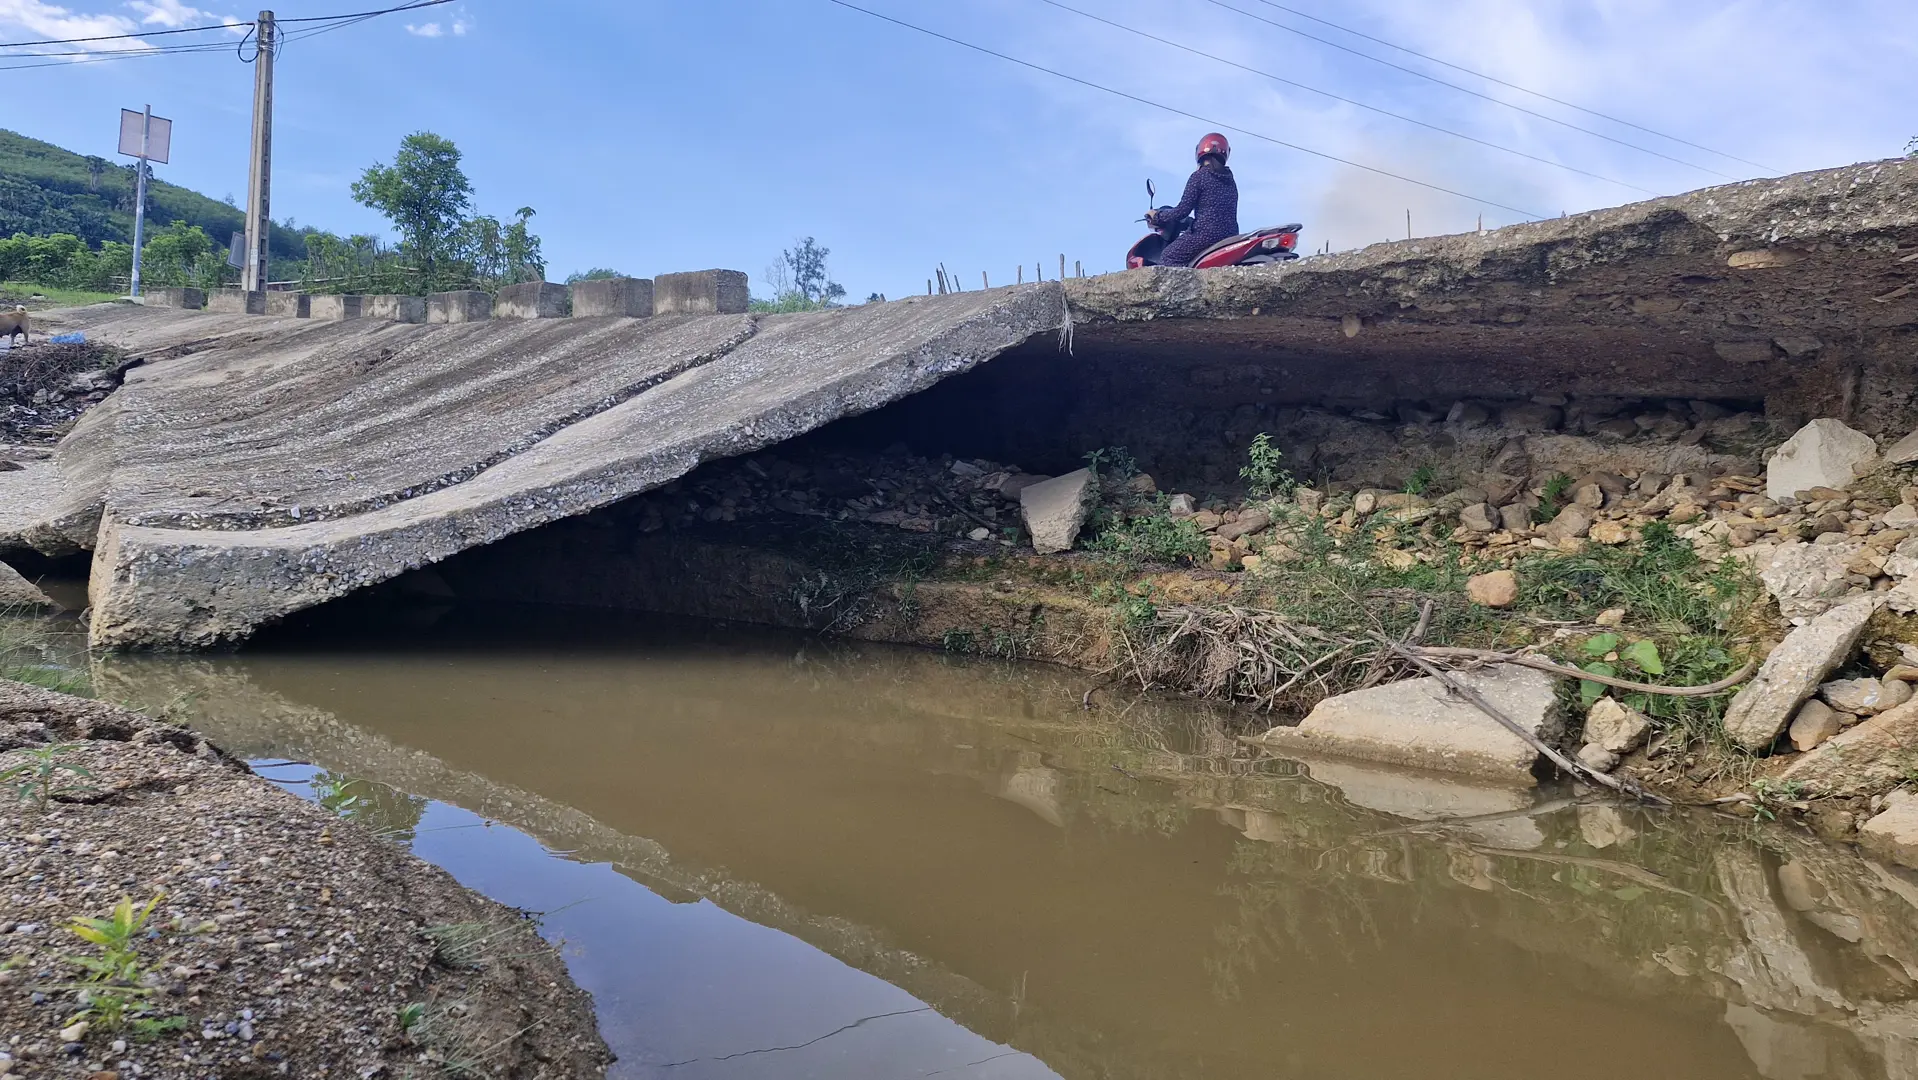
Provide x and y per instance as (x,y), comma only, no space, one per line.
(253,276)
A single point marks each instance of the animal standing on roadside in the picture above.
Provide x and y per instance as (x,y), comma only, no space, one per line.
(14,323)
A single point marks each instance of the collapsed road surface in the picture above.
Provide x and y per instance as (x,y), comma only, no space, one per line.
(254,466)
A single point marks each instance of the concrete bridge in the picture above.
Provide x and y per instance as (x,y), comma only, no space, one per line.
(257,464)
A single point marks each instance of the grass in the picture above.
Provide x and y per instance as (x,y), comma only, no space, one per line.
(25,648)
(20,292)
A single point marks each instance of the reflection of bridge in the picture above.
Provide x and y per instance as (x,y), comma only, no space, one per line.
(1150,941)
(258,465)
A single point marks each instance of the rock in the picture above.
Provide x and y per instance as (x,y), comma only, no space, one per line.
(1806,579)
(1250,521)
(1864,697)
(1251,563)
(1531,416)
(1610,617)
(1479,518)
(1182,506)
(1615,726)
(980,533)
(1207,520)
(73,1033)
(1571,522)
(1515,517)
(1597,758)
(1468,414)
(1419,723)
(1015,485)
(1793,671)
(1900,673)
(1824,453)
(1874,756)
(1310,500)
(1814,726)
(1904,451)
(18,592)
(1610,533)
(1902,516)
(1227,554)
(1365,502)
(1616,428)
(1142,484)
(1497,589)
(1589,495)
(1893,834)
(1055,510)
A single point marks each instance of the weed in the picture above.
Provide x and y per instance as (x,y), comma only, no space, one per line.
(112,994)
(1773,796)
(26,655)
(956,640)
(1138,608)
(462,944)
(1154,538)
(412,1015)
(1263,474)
(1554,497)
(38,779)
(1420,480)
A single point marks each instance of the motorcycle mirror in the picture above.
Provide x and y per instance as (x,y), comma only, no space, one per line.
(1151,194)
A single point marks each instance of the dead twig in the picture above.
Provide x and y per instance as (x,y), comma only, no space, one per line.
(1539,663)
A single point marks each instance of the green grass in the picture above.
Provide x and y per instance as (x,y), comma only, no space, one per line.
(19,292)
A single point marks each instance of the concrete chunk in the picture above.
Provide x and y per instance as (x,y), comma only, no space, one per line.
(186,299)
(17,592)
(703,292)
(1874,756)
(1824,453)
(1055,510)
(1793,671)
(234,302)
(1421,724)
(336,308)
(467,305)
(530,300)
(392,308)
(1893,834)
(289,305)
(627,297)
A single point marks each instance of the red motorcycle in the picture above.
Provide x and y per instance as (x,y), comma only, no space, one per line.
(1246,249)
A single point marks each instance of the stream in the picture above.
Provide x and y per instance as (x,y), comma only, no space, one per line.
(770,856)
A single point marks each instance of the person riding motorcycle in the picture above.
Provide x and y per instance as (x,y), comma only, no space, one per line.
(1211,196)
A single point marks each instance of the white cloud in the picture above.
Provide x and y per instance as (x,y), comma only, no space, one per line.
(49,21)
(426,30)
(461,25)
(170,13)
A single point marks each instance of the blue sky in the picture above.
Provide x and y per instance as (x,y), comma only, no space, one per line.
(661,135)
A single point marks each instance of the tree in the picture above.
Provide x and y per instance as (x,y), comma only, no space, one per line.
(425,195)
(597,273)
(96,168)
(1911,148)
(806,265)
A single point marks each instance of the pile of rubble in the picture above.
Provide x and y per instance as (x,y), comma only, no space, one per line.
(45,387)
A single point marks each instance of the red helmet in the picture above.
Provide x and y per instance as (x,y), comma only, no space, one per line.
(1213,144)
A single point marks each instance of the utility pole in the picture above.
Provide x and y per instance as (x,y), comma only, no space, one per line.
(140,199)
(253,276)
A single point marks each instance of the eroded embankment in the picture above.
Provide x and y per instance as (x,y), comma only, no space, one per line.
(262,935)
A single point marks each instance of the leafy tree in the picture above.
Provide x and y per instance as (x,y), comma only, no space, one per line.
(425,194)
(96,168)
(806,263)
(1911,148)
(597,273)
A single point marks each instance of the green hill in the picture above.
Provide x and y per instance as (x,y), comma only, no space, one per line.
(46,190)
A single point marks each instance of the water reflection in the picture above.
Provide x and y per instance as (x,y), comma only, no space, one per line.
(1113,894)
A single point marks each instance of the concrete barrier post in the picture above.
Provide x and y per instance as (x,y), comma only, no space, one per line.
(289,305)
(627,297)
(530,300)
(186,299)
(467,305)
(337,308)
(703,292)
(394,308)
(235,302)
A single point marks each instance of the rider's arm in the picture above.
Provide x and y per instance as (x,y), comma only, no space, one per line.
(1188,203)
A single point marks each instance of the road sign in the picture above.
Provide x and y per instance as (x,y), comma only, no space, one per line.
(159,138)
(236,252)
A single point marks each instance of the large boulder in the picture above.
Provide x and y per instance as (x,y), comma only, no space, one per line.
(1806,579)
(1875,756)
(1893,834)
(1420,723)
(17,592)
(1055,510)
(1824,453)
(1793,671)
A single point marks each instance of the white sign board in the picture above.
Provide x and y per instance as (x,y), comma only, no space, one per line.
(236,252)
(159,137)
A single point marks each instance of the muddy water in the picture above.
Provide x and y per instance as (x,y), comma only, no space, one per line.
(776,858)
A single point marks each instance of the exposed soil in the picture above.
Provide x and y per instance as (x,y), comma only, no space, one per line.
(285,941)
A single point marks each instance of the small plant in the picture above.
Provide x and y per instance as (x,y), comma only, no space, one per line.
(1263,474)
(1553,497)
(39,778)
(412,1015)
(1421,480)
(1771,796)
(112,993)
(1154,538)
(957,640)
(1138,608)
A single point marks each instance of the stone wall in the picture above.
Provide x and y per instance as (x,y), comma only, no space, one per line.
(626,297)
(531,300)
(289,305)
(234,302)
(187,299)
(337,308)
(705,292)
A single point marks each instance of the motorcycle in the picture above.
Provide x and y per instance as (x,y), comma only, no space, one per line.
(1246,249)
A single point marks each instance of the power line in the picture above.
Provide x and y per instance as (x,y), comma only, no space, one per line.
(1178,111)
(1513,86)
(98,58)
(1350,101)
(342,19)
(1469,90)
(368,14)
(119,37)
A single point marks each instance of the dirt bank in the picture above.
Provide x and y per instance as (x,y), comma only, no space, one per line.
(280,940)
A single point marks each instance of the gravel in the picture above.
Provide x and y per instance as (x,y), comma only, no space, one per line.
(286,941)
